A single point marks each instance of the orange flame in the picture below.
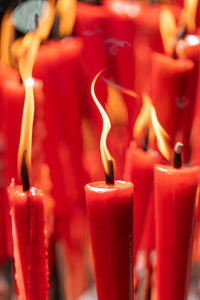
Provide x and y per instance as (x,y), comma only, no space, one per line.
(41,33)
(7,36)
(106,126)
(190,9)
(67,12)
(168,30)
(115,107)
(143,118)
(30,47)
(163,139)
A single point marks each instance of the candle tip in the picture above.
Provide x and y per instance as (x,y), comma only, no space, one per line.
(110,173)
(24,172)
(177,155)
(12,182)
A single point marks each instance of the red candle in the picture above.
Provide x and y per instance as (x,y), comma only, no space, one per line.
(110,213)
(30,254)
(139,168)
(173,91)
(110,210)
(175,197)
(27,207)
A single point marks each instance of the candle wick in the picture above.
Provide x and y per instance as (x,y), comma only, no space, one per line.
(177,155)
(146,140)
(36,20)
(24,172)
(110,174)
(181,33)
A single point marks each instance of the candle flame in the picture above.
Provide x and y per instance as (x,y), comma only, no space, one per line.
(66,10)
(190,9)
(30,47)
(7,36)
(163,139)
(106,156)
(143,121)
(116,107)
(168,30)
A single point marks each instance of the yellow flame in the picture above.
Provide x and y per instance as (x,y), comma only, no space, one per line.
(30,45)
(163,139)
(143,118)
(168,30)
(106,126)
(7,36)
(115,107)
(190,8)
(46,22)
(66,10)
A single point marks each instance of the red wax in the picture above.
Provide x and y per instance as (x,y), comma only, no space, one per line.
(175,196)
(110,213)
(139,169)
(173,91)
(27,213)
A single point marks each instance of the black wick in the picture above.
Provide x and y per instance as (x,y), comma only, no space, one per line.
(24,172)
(177,163)
(110,173)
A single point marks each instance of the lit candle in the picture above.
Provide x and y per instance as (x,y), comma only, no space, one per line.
(110,213)
(175,199)
(139,168)
(27,207)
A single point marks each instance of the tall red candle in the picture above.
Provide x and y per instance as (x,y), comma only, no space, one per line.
(175,195)
(173,91)
(27,207)
(110,214)
(139,168)
(110,209)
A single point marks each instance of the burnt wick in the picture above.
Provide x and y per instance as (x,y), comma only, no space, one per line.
(110,173)
(146,141)
(24,172)
(177,163)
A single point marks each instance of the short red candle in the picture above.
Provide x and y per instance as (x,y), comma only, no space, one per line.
(175,195)
(110,213)
(30,253)
(139,168)
(173,91)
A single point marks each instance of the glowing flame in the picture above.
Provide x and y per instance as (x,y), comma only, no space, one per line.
(67,12)
(30,47)
(168,30)
(143,118)
(190,8)
(7,36)
(163,139)
(46,22)
(115,107)
(41,34)
(106,126)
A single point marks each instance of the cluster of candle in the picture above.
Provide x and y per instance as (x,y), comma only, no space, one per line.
(136,65)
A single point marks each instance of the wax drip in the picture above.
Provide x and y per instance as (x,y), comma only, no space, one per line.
(146,140)
(177,155)
(24,172)
(110,174)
